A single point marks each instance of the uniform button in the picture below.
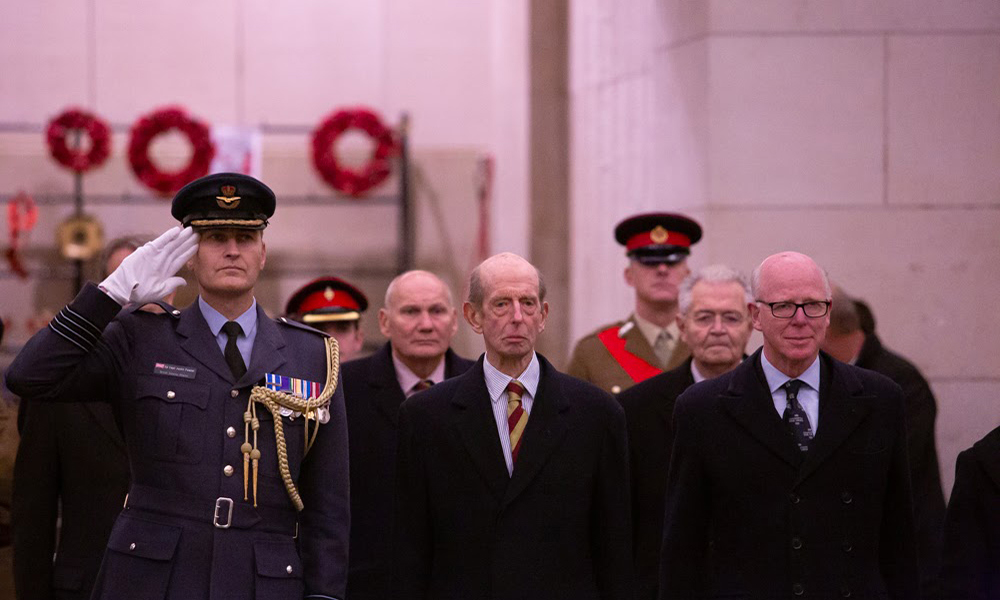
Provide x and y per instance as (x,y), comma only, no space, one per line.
(231,432)
(234,393)
(846,497)
(794,498)
(228,470)
(171,394)
(796,543)
(797,589)
(131,546)
(288,569)
(847,546)
(175,312)
(845,592)
(616,389)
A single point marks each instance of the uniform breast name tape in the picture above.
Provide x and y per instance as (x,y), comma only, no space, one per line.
(296,387)
(174,370)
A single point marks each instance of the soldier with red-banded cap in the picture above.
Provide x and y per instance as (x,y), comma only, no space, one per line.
(334,306)
(619,355)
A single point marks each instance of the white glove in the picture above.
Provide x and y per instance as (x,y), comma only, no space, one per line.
(147,275)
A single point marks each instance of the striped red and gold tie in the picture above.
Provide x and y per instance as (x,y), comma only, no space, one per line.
(517,417)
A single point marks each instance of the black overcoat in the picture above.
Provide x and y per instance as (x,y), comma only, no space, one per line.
(748,515)
(372,395)
(649,407)
(971,565)
(557,528)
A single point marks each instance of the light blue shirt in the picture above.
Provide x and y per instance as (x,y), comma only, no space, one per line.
(496,384)
(808,394)
(248,321)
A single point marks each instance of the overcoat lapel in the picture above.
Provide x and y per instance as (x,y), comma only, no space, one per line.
(386,393)
(199,342)
(987,452)
(477,429)
(666,409)
(267,355)
(547,425)
(842,407)
(748,401)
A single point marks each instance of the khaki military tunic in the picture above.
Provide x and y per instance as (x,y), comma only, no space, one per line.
(591,360)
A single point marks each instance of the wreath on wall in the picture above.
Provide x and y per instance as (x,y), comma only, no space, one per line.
(353,182)
(159,122)
(76,158)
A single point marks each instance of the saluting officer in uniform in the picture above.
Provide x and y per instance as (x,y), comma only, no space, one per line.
(647,343)
(333,306)
(223,503)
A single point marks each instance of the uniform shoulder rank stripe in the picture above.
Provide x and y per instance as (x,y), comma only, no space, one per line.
(297,387)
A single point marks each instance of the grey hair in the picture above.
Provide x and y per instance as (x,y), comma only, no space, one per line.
(844,314)
(477,290)
(711,274)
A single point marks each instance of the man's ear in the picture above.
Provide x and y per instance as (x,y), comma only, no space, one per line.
(473,317)
(754,315)
(681,324)
(383,322)
(263,253)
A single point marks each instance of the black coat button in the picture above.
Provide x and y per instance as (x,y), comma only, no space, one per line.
(846,497)
(794,498)
(797,589)
(845,592)
(796,543)
(847,546)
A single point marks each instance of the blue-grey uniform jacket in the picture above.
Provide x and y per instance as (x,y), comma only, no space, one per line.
(182,416)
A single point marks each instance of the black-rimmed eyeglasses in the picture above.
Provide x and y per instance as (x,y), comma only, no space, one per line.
(786,310)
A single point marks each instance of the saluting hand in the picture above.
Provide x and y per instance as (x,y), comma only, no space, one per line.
(148,274)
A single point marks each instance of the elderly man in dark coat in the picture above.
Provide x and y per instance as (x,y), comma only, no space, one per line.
(789,475)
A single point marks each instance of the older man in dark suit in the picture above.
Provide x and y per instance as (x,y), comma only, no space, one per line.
(513,478)
(971,565)
(420,319)
(789,475)
(234,423)
(714,322)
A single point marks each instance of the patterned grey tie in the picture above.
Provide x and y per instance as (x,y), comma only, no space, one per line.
(795,417)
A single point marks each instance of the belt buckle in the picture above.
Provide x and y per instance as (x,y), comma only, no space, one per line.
(219,503)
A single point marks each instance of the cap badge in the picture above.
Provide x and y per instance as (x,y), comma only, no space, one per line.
(228,199)
(659,235)
(328,293)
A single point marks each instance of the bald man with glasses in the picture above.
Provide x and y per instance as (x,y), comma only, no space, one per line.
(789,474)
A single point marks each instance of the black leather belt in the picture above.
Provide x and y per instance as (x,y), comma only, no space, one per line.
(221,512)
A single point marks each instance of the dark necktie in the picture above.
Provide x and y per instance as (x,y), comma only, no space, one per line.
(423,384)
(517,417)
(234,359)
(795,417)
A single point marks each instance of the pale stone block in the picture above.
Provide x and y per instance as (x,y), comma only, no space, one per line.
(795,119)
(440,65)
(677,22)
(152,54)
(927,275)
(967,410)
(303,60)
(943,123)
(679,135)
(43,50)
(852,15)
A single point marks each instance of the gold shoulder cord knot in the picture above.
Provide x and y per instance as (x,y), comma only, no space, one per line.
(274,401)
